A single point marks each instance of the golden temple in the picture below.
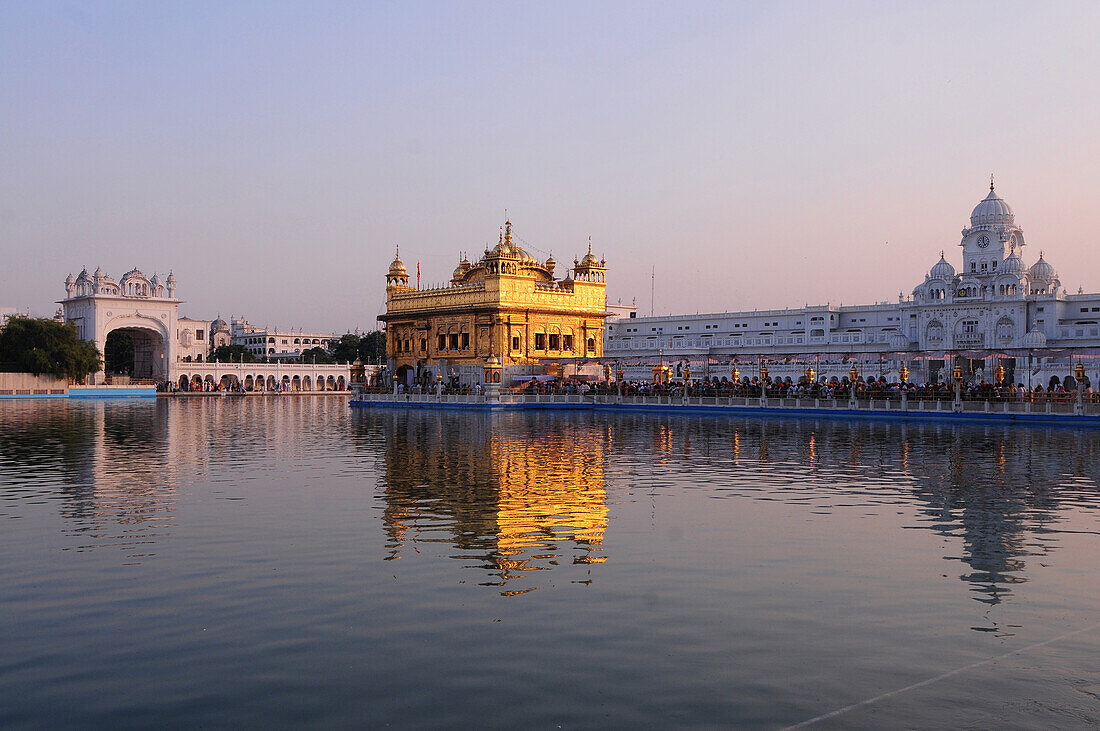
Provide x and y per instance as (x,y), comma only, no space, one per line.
(507,309)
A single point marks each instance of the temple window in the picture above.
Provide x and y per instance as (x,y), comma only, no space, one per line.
(591,345)
(567,342)
(540,341)
(453,341)
(515,342)
(555,343)
(442,342)
(423,344)
(465,341)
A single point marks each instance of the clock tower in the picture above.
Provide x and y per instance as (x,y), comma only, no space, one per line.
(991,236)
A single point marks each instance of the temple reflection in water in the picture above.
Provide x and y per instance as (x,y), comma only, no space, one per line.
(521,490)
(518,494)
(531,498)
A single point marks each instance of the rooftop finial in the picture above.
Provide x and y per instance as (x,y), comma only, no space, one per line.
(589,244)
(501,235)
(991,182)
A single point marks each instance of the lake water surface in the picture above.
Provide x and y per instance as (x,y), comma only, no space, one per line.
(282,561)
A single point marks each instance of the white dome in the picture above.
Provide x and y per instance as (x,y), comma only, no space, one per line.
(992,211)
(1035,339)
(942,270)
(1041,271)
(134,273)
(1013,265)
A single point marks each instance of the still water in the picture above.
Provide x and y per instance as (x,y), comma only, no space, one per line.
(274,561)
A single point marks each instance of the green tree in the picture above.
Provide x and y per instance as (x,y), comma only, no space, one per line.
(40,346)
(372,347)
(232,354)
(346,348)
(316,355)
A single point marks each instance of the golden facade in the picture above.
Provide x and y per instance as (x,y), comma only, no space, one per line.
(507,305)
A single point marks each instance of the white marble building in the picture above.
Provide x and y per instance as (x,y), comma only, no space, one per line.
(168,347)
(992,311)
(193,336)
(277,344)
(146,307)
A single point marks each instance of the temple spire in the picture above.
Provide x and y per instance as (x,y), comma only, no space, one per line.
(991,182)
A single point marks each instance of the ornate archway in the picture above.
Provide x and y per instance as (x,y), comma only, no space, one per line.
(142,343)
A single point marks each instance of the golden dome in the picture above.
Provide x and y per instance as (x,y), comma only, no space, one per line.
(590,258)
(397,266)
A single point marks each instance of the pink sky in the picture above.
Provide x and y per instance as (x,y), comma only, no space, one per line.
(758,156)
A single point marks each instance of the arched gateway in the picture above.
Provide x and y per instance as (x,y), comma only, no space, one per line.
(144,309)
(135,324)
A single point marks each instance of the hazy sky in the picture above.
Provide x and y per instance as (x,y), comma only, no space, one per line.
(756,154)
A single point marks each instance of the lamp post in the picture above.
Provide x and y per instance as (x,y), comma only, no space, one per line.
(957,372)
(763,383)
(1079,375)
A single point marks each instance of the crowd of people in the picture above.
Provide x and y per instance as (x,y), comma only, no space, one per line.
(821,388)
(842,389)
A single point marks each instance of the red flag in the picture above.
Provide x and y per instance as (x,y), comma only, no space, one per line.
(418,274)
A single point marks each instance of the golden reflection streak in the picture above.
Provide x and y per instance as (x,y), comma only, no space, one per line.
(523,498)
